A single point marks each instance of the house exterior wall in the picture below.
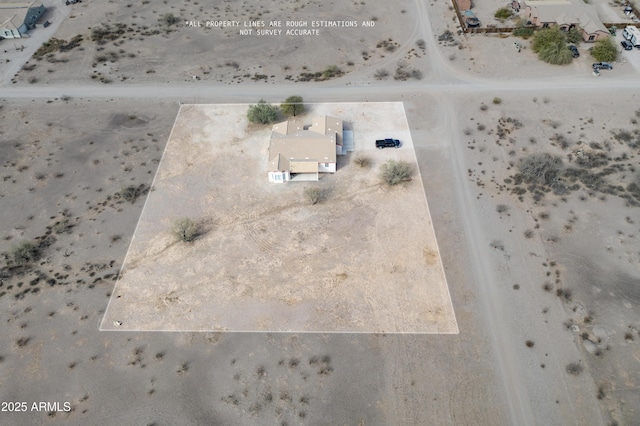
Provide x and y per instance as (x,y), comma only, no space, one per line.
(529,13)
(327,167)
(279,177)
(593,37)
(9,32)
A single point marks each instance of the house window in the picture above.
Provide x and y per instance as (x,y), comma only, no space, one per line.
(326,164)
(592,37)
(545,25)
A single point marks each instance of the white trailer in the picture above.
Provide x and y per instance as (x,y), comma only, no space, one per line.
(632,34)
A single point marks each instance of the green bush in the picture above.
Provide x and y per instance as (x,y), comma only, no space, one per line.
(604,50)
(394,172)
(503,13)
(262,113)
(523,32)
(574,36)
(332,71)
(131,193)
(23,253)
(293,105)
(551,46)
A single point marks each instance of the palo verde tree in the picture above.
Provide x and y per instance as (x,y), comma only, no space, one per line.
(262,113)
(292,105)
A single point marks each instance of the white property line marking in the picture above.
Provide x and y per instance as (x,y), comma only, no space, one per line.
(118,323)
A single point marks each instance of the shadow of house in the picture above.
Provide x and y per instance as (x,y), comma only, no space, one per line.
(299,152)
(566,14)
(16,19)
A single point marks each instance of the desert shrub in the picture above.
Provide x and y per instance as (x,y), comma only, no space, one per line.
(313,194)
(604,50)
(574,368)
(497,101)
(362,161)
(523,32)
(394,172)
(186,230)
(623,135)
(503,13)
(403,72)
(381,74)
(421,44)
(497,245)
(293,105)
(551,46)
(332,71)
(262,113)
(540,168)
(446,36)
(23,253)
(62,227)
(131,193)
(169,19)
(502,208)
(634,187)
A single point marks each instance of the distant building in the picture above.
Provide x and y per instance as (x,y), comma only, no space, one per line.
(302,152)
(16,18)
(566,14)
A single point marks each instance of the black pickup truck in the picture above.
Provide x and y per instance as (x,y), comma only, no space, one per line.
(387,143)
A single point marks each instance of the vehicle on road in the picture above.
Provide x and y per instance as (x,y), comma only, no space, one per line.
(574,50)
(602,66)
(626,45)
(387,143)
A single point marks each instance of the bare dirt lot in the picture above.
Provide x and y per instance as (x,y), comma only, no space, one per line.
(364,259)
(134,42)
(572,226)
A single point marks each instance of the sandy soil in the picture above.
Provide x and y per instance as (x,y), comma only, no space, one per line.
(137,47)
(371,260)
(579,247)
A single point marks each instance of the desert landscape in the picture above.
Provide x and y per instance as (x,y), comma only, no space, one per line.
(530,172)
(362,258)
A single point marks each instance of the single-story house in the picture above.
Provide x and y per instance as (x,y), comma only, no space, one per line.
(566,14)
(303,152)
(16,18)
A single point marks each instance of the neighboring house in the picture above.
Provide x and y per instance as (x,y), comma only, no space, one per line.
(17,18)
(303,152)
(566,14)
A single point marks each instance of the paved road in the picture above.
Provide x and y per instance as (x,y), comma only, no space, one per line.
(442,80)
